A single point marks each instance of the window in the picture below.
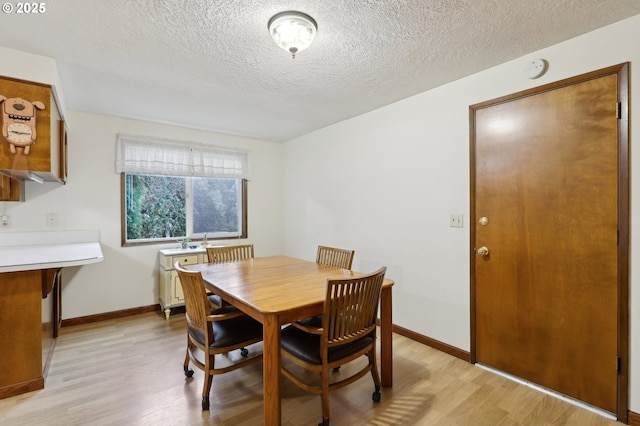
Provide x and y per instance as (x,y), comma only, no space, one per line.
(172,190)
(158,208)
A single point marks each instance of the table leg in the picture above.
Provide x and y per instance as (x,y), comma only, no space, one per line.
(386,338)
(271,370)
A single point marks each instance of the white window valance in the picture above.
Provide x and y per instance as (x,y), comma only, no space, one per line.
(156,156)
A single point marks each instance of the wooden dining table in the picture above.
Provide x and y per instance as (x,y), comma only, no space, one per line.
(278,290)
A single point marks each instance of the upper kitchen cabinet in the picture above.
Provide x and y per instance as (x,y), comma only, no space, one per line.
(33,136)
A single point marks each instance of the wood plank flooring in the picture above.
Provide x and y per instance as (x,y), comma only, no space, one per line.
(129,372)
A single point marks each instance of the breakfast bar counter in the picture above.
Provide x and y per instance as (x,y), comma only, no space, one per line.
(30,280)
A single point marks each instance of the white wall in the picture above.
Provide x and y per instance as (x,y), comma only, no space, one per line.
(129,276)
(384,184)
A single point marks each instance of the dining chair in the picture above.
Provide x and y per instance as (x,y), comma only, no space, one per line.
(331,256)
(339,258)
(214,332)
(348,332)
(218,254)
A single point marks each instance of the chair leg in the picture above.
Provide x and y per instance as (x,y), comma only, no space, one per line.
(206,389)
(374,374)
(208,379)
(324,383)
(376,394)
(205,403)
(187,371)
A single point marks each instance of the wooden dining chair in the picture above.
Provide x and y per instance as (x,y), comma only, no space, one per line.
(339,258)
(348,332)
(331,256)
(219,254)
(211,333)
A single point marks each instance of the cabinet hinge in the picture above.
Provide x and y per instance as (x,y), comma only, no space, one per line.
(618,364)
(619,110)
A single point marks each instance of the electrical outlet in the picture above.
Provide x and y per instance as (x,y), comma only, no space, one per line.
(4,220)
(52,219)
(455,220)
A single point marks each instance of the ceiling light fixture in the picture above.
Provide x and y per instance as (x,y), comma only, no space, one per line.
(292,31)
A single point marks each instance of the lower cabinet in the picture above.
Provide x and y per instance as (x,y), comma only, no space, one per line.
(27,329)
(171,294)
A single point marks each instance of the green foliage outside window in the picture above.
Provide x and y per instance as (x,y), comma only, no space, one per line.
(167,207)
(155,207)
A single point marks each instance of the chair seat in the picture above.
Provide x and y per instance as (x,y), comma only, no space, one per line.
(230,332)
(214,299)
(306,346)
(315,321)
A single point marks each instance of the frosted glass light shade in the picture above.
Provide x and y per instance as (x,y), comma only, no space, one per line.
(293,31)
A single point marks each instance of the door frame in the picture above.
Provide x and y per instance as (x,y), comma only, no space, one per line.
(622,71)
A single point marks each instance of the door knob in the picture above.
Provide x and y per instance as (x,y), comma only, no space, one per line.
(483,251)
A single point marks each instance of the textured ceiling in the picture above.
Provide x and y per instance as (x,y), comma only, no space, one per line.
(211,64)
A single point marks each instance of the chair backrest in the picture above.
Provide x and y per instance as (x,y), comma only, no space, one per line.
(339,258)
(195,300)
(229,253)
(351,307)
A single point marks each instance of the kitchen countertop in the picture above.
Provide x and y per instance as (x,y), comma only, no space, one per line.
(181,251)
(25,251)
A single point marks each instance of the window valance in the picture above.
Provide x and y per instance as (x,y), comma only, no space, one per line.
(149,155)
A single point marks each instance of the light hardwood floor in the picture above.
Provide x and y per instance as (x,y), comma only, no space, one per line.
(129,372)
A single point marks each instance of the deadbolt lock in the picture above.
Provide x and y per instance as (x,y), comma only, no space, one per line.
(484,221)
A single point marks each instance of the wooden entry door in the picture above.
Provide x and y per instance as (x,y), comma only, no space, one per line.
(548,269)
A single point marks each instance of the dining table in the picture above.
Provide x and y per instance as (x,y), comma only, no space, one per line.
(278,290)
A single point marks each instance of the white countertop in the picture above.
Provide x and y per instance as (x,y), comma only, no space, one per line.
(180,251)
(25,251)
